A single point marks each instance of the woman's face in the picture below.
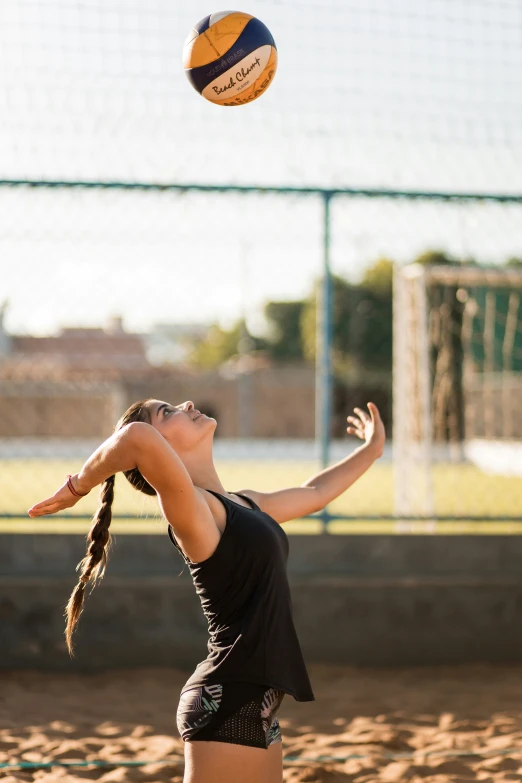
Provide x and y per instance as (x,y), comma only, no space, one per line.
(183,426)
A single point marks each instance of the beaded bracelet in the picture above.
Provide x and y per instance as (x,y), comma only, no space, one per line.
(72,489)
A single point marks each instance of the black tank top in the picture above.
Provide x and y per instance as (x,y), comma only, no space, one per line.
(245,596)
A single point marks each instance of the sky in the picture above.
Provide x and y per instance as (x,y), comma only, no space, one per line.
(403,94)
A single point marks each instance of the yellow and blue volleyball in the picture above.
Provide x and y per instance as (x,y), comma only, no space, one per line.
(230,58)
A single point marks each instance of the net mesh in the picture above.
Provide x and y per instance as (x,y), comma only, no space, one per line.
(383,92)
(143,290)
(458,365)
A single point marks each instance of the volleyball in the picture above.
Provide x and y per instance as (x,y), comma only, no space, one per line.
(230,58)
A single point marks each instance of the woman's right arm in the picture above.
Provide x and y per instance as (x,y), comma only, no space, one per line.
(137,445)
(116,454)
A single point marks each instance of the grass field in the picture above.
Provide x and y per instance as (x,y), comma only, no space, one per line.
(460,490)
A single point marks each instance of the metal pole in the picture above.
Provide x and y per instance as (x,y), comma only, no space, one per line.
(402,389)
(244,376)
(323,377)
(427,505)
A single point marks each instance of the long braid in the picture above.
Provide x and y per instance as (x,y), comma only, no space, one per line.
(93,565)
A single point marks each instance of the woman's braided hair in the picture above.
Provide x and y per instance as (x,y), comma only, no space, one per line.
(94,563)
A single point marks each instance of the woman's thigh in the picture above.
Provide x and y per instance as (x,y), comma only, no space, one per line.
(231,733)
(223,762)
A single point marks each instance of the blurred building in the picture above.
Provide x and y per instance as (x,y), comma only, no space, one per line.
(75,353)
(67,385)
(169,344)
(77,383)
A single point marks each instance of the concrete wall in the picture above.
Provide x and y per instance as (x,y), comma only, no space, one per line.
(58,409)
(366,600)
(270,402)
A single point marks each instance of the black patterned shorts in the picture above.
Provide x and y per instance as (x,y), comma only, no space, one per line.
(237,712)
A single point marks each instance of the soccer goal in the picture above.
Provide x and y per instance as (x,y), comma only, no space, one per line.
(457,392)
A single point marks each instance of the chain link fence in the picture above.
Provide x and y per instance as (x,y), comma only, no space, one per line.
(134,265)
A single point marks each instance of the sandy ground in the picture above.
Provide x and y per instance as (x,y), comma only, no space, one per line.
(374,714)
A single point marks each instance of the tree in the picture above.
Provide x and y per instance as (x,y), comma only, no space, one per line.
(514,262)
(343,298)
(377,283)
(221,344)
(362,322)
(285,321)
(435,258)
(379,278)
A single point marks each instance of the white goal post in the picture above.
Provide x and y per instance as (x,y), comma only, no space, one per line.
(457,380)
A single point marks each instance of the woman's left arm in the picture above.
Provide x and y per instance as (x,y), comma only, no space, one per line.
(319,490)
(333,481)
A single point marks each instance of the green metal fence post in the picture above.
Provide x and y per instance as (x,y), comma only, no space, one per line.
(323,378)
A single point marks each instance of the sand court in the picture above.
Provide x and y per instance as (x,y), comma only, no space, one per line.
(424,724)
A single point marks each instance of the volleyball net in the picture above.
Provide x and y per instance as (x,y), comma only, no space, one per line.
(155,245)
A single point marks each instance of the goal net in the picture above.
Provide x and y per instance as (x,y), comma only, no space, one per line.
(457,388)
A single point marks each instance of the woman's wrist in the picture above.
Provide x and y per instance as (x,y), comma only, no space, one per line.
(116,454)
(77,486)
(375,448)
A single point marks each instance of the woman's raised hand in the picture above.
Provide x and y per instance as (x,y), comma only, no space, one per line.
(368,428)
(62,498)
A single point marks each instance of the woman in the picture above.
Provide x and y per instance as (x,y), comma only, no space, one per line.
(236,551)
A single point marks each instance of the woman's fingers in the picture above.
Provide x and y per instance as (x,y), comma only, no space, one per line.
(374,410)
(43,504)
(368,427)
(42,508)
(357,428)
(49,506)
(62,498)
